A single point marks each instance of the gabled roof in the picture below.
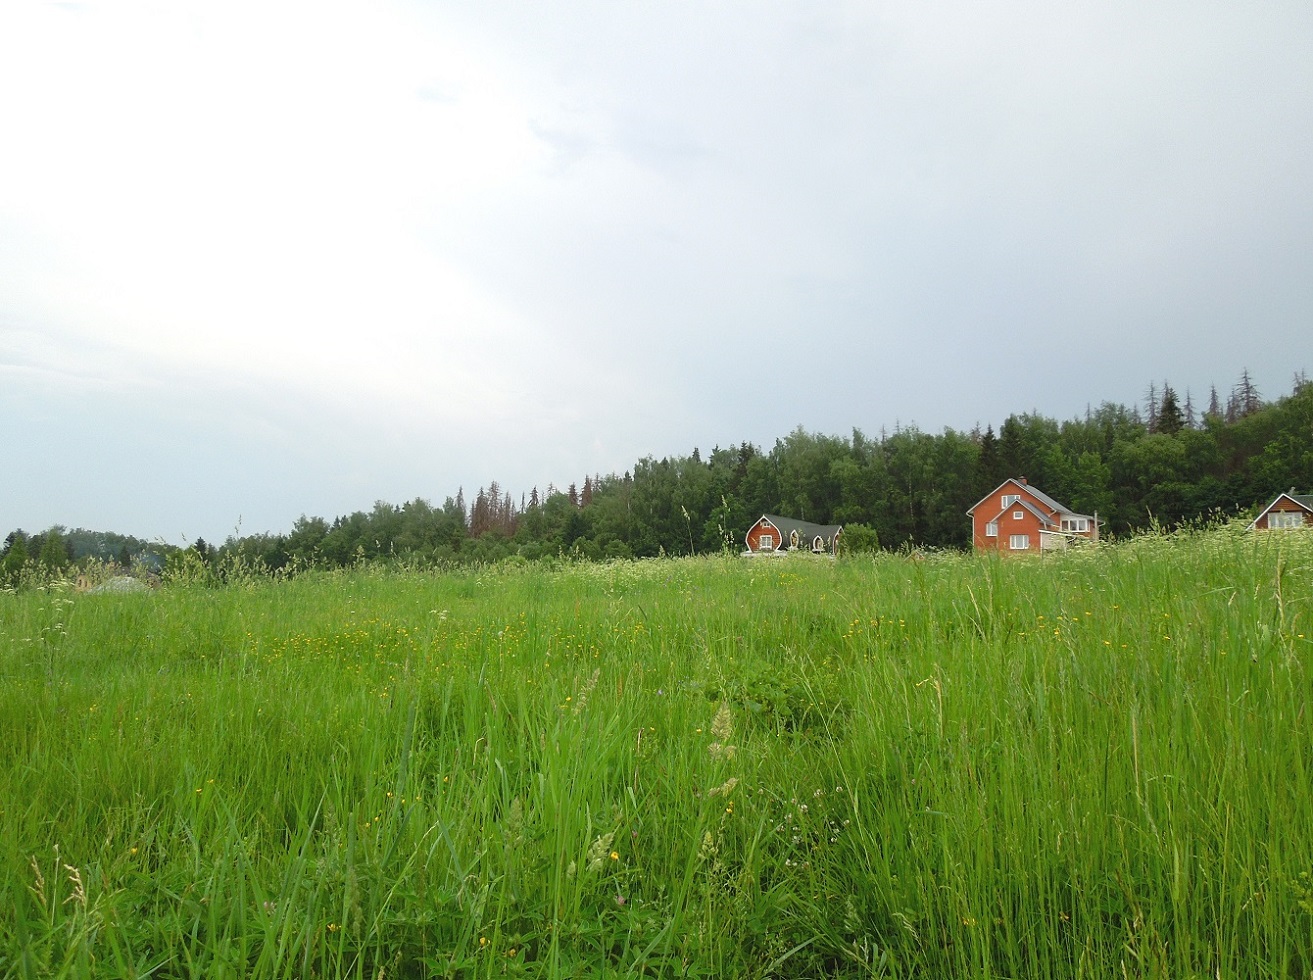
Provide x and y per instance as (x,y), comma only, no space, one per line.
(1304,501)
(1023,502)
(1038,494)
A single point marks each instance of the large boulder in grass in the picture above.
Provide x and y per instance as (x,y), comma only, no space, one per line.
(120,583)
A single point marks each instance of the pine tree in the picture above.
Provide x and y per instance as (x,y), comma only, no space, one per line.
(1191,418)
(1245,397)
(988,464)
(504,517)
(1011,449)
(495,517)
(1169,413)
(479,517)
(1214,403)
(1151,398)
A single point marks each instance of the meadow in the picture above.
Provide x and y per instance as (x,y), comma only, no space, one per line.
(1094,764)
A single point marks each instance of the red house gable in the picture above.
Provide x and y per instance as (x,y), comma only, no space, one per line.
(1015,517)
(764,536)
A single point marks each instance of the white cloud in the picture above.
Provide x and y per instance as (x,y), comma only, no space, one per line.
(252,189)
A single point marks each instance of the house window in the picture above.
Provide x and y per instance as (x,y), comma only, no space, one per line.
(1019,542)
(1016,515)
(1284,518)
(1010,498)
(793,539)
(818,544)
(991,529)
(766,542)
(1078,524)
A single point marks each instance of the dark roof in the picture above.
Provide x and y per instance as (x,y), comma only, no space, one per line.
(1044,498)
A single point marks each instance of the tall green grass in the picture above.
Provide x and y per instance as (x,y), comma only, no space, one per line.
(1094,764)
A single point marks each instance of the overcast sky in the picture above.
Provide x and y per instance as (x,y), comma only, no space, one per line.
(259,259)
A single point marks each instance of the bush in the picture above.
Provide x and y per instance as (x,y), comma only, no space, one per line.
(859,539)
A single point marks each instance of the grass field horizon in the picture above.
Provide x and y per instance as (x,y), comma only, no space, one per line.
(1090,764)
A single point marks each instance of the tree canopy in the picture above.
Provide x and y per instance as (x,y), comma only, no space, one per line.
(905,489)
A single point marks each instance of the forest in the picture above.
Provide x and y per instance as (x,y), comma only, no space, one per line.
(1163,463)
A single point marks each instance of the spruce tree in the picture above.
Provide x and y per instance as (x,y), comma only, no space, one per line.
(1245,395)
(1011,449)
(1214,403)
(1170,421)
(988,466)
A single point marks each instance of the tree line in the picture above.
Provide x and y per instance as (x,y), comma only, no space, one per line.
(1165,463)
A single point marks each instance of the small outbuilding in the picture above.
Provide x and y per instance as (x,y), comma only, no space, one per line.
(773,534)
(1289,510)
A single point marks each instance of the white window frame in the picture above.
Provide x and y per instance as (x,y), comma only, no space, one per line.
(1284,519)
(1078,525)
(766,542)
(1017,515)
(1010,498)
(1019,542)
(991,529)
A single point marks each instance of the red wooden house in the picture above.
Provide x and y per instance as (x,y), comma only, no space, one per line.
(1289,510)
(773,534)
(1015,517)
